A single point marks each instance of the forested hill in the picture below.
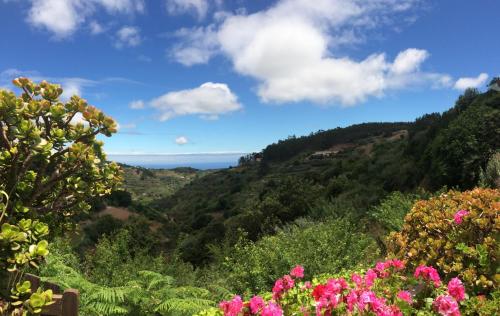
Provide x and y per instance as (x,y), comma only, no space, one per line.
(339,172)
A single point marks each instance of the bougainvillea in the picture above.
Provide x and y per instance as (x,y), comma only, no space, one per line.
(457,233)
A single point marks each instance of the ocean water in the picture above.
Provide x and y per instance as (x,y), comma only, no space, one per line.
(170,161)
(200,165)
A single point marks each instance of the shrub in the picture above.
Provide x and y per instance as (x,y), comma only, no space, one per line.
(391,211)
(388,289)
(456,232)
(319,247)
(490,177)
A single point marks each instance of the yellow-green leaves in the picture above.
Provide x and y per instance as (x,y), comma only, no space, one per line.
(50,164)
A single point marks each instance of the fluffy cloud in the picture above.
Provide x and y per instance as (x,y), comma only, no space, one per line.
(198,45)
(291,48)
(181,140)
(128,36)
(471,82)
(63,17)
(409,60)
(199,7)
(136,105)
(207,101)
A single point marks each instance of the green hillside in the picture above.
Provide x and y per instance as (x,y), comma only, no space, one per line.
(149,184)
(344,171)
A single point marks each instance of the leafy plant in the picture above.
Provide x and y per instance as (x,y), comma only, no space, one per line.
(147,293)
(49,166)
(457,232)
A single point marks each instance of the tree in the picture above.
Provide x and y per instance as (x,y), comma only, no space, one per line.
(51,164)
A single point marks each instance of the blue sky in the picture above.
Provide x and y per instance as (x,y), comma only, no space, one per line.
(213,76)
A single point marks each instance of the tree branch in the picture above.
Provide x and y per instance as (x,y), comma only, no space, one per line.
(4,138)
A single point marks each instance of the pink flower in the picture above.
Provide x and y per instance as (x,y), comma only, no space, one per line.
(351,300)
(282,285)
(329,295)
(357,279)
(456,289)
(428,273)
(256,303)
(446,306)
(459,216)
(278,289)
(297,272)
(370,277)
(272,310)
(398,264)
(405,296)
(233,307)
(288,282)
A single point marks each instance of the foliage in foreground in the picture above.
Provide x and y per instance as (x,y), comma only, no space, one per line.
(457,232)
(49,166)
(118,279)
(387,289)
(149,293)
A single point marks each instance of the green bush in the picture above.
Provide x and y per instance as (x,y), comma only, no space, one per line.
(391,211)
(320,247)
(457,232)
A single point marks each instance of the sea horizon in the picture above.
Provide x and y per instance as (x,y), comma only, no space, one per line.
(202,161)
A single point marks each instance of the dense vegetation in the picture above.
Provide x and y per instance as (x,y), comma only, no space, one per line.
(174,242)
(364,164)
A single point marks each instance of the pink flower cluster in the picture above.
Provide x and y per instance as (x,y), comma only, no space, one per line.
(456,289)
(446,306)
(285,283)
(232,307)
(362,296)
(428,274)
(257,304)
(328,296)
(459,216)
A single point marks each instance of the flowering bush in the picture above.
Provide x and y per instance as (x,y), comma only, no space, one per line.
(384,290)
(457,233)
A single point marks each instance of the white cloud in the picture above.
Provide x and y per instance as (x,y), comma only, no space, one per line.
(291,48)
(181,140)
(197,47)
(78,119)
(61,17)
(128,36)
(136,105)
(471,82)
(74,86)
(207,101)
(409,60)
(96,28)
(125,126)
(64,17)
(123,6)
(199,7)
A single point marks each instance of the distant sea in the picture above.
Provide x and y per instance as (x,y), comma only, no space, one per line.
(170,161)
